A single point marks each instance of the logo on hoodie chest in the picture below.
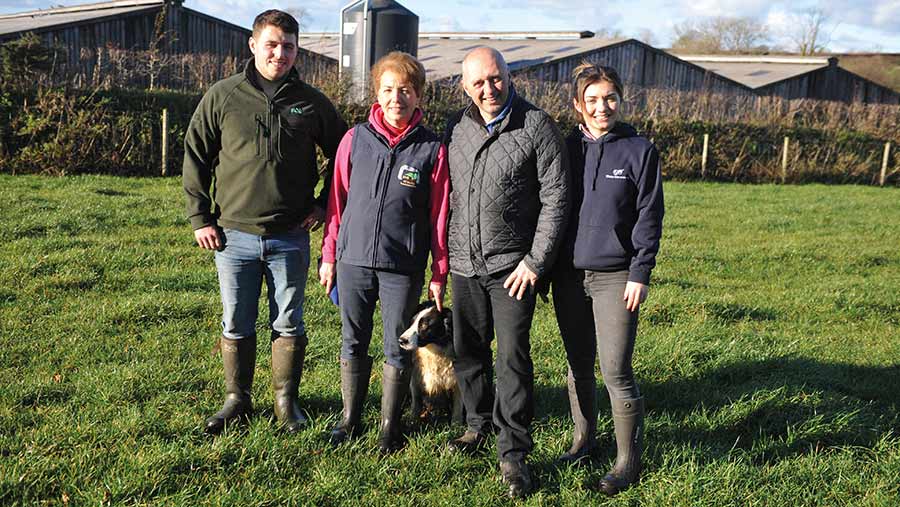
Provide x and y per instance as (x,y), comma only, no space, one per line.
(408,176)
(617,174)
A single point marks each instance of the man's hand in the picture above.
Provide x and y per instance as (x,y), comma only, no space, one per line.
(326,276)
(315,219)
(519,280)
(436,294)
(208,237)
(635,294)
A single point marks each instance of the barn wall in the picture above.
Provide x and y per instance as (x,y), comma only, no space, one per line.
(640,66)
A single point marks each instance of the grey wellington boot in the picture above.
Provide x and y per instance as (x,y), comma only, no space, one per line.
(288,353)
(354,388)
(239,362)
(394,388)
(583,406)
(628,419)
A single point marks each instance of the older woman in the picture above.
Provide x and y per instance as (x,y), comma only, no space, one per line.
(387,208)
(603,272)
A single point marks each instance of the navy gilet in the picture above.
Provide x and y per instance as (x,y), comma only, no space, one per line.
(386,223)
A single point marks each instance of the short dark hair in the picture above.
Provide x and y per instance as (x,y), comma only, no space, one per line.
(589,73)
(276,18)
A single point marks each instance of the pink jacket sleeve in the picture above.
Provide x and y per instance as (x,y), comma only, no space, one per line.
(440,211)
(337,198)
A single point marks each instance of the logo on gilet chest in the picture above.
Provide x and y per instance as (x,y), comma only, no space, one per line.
(408,176)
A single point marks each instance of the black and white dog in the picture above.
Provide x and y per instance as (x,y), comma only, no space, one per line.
(430,339)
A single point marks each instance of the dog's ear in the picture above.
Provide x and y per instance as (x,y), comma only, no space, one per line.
(423,305)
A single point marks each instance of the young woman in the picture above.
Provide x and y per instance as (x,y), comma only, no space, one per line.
(387,208)
(603,272)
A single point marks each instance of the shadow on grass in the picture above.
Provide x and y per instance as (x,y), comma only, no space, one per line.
(766,411)
(776,408)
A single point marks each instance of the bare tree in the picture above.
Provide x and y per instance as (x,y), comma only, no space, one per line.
(646,36)
(721,35)
(811,31)
(609,33)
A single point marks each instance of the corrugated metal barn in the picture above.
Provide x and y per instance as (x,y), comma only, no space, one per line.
(551,56)
(131,25)
(793,77)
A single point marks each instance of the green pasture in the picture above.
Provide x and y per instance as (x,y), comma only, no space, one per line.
(768,353)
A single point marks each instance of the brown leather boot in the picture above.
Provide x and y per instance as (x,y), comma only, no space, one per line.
(238,362)
(288,353)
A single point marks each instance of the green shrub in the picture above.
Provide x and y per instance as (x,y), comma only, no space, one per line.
(71,131)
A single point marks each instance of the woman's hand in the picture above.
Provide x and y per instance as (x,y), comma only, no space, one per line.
(635,294)
(326,276)
(436,294)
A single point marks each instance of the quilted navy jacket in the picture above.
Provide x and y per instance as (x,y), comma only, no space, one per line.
(510,191)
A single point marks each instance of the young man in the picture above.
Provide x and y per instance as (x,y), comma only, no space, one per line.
(509,175)
(249,175)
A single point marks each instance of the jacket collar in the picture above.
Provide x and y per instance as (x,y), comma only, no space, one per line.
(514,104)
(376,120)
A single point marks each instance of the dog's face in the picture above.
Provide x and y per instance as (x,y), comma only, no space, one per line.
(429,327)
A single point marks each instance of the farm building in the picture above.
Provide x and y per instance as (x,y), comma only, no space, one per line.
(82,32)
(551,56)
(792,77)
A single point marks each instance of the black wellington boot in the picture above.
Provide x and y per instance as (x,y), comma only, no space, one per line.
(354,388)
(288,353)
(583,405)
(394,388)
(239,362)
(628,419)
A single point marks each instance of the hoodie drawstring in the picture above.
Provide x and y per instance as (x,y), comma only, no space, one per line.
(597,166)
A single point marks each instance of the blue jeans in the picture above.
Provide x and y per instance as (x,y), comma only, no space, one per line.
(283,260)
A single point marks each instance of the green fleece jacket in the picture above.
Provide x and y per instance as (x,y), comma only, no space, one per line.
(250,162)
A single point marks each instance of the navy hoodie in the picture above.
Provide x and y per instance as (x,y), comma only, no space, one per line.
(619,203)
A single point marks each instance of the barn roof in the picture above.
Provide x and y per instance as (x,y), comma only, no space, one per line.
(48,18)
(442,53)
(758,71)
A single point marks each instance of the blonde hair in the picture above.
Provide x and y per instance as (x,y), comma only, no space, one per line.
(403,64)
(589,73)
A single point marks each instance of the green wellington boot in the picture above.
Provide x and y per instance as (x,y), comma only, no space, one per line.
(628,419)
(354,388)
(394,387)
(583,406)
(288,353)
(238,361)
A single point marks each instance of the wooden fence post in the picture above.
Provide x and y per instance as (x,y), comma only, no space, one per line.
(165,141)
(884,162)
(705,156)
(784,159)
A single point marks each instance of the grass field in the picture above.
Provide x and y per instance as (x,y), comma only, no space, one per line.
(768,355)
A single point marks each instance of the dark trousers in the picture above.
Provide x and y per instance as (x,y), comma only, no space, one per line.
(593,321)
(482,306)
(358,290)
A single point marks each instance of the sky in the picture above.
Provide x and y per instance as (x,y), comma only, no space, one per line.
(854,25)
